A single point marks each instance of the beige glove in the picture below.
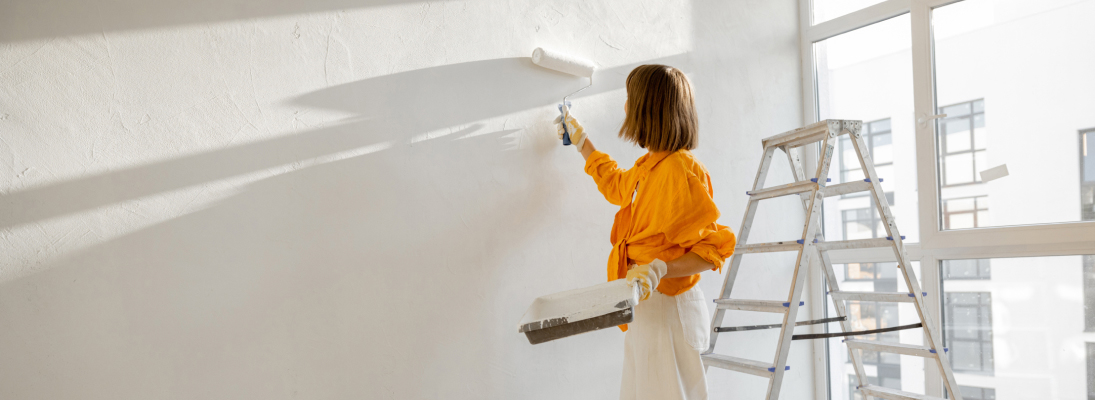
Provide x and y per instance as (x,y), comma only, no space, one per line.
(577,133)
(647,276)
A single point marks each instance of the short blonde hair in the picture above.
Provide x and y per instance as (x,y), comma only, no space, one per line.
(661,112)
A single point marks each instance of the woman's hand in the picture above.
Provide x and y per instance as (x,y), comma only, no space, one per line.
(566,123)
(646,276)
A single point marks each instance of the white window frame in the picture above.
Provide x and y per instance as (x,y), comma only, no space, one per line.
(1042,240)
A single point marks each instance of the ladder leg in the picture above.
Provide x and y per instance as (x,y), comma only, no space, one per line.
(931,335)
(813,215)
(821,261)
(742,237)
(788,329)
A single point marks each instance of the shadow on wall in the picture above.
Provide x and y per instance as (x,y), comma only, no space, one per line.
(36,19)
(392,108)
(338,277)
(315,270)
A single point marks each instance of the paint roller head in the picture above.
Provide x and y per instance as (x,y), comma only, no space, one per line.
(563,63)
(566,64)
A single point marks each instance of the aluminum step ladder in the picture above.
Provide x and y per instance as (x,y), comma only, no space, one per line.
(812,252)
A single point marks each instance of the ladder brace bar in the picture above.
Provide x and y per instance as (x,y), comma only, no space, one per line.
(856,333)
(773,326)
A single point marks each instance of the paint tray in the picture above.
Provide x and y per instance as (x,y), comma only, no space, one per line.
(569,313)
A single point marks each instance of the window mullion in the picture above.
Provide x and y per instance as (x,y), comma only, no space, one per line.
(923,106)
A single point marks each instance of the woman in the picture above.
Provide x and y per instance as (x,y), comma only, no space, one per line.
(664,235)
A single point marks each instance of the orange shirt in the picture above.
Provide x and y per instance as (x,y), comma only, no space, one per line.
(672,213)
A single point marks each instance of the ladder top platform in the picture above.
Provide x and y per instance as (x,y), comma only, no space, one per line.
(811,133)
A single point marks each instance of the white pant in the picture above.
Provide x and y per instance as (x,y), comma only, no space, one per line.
(662,348)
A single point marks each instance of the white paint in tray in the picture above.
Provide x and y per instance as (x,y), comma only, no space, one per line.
(578,304)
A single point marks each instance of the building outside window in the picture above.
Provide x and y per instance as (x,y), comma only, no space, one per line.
(968,329)
(879,139)
(962,141)
(977,393)
(963,145)
(967,269)
(965,212)
(1090,367)
(866,315)
(859,216)
(1087,175)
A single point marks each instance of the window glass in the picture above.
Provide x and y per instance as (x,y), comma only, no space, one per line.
(884,369)
(1015,326)
(865,75)
(1014,78)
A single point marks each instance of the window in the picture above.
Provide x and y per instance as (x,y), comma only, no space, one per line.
(1022,65)
(966,212)
(1089,294)
(962,143)
(1001,109)
(969,331)
(977,393)
(1087,175)
(873,315)
(879,140)
(862,223)
(1009,329)
(1090,370)
(967,269)
(882,275)
(859,75)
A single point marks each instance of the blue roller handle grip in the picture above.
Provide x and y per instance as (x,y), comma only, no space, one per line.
(566,134)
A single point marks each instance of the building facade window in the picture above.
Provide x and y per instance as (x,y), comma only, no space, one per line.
(1087,175)
(1090,368)
(980,269)
(865,315)
(1089,297)
(862,223)
(860,217)
(977,393)
(879,139)
(962,213)
(968,331)
(963,140)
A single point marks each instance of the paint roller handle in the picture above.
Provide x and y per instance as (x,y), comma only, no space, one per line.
(564,109)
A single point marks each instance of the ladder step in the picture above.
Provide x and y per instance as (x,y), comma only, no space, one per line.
(782,190)
(855,244)
(845,188)
(894,394)
(768,247)
(898,348)
(875,296)
(772,306)
(740,364)
(811,133)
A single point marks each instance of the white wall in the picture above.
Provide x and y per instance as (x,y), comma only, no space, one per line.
(345,199)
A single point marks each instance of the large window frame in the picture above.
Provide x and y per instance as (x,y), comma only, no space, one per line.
(936,244)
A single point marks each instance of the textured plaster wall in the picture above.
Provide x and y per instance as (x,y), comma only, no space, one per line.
(345,199)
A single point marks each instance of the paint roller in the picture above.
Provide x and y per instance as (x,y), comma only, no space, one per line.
(566,64)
